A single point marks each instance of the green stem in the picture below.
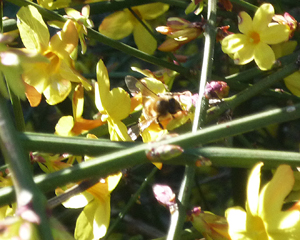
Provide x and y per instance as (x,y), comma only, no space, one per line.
(27,193)
(75,145)
(18,112)
(178,216)
(131,202)
(250,92)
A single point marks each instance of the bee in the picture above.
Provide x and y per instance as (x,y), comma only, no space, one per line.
(157,107)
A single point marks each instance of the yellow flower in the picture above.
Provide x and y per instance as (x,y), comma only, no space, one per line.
(264,218)
(54,78)
(122,23)
(11,66)
(255,37)
(75,125)
(114,105)
(94,219)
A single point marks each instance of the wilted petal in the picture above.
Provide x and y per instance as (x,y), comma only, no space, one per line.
(169,45)
(275,34)
(143,39)
(264,56)
(263,17)
(117,25)
(245,22)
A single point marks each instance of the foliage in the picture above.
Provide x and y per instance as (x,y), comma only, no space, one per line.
(157,111)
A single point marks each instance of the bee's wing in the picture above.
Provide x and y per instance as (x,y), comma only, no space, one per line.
(135,130)
(135,86)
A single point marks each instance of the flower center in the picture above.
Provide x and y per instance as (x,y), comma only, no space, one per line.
(54,64)
(254,37)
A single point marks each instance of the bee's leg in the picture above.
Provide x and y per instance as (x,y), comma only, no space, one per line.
(158,122)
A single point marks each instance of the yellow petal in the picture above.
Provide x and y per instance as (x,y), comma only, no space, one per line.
(244,55)
(66,39)
(77,201)
(292,82)
(236,218)
(264,56)
(117,130)
(151,10)
(263,17)
(77,102)
(84,223)
(275,34)
(36,75)
(58,90)
(113,180)
(233,43)
(245,23)
(33,30)
(64,126)
(101,219)
(117,25)
(103,82)
(33,96)
(143,39)
(118,104)
(253,188)
(274,192)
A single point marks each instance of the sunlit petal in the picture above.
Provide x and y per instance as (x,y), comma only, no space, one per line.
(233,43)
(65,40)
(253,189)
(264,56)
(33,30)
(244,55)
(263,16)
